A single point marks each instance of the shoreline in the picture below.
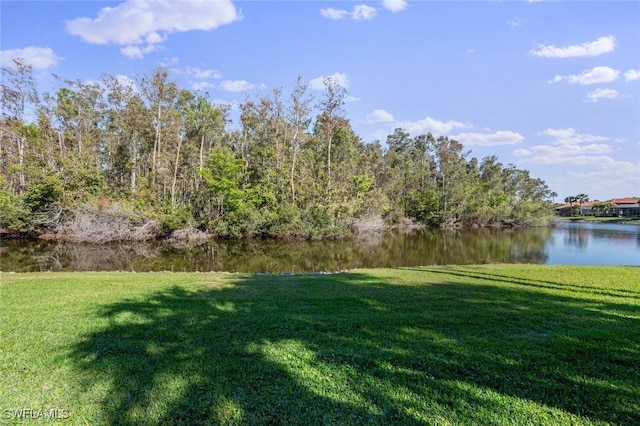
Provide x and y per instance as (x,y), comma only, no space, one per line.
(596,219)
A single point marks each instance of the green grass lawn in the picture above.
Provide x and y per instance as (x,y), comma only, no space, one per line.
(491,344)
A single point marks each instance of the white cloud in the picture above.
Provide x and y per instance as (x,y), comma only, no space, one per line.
(566,154)
(364,12)
(155,38)
(521,152)
(568,147)
(632,75)
(170,62)
(516,22)
(432,125)
(380,116)
(36,56)
(141,25)
(591,48)
(596,95)
(558,78)
(202,85)
(360,12)
(335,14)
(442,128)
(470,51)
(611,177)
(595,75)
(350,98)
(501,137)
(127,81)
(236,85)
(394,5)
(592,76)
(570,136)
(338,78)
(202,74)
(137,52)
(198,76)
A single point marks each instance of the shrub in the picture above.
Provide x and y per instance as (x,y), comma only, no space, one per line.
(88,224)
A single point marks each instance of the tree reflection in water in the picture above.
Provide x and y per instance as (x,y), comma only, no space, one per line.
(391,249)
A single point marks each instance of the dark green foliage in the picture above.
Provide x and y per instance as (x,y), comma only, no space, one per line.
(166,152)
(179,218)
(14,215)
(41,195)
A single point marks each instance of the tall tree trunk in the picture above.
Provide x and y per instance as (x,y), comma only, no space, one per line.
(329,140)
(21,148)
(156,144)
(293,170)
(202,151)
(134,165)
(175,172)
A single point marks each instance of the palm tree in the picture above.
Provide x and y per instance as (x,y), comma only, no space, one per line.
(581,198)
(571,199)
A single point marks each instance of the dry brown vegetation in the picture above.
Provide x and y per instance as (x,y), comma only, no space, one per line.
(107,225)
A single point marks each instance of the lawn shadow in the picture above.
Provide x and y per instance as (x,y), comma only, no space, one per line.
(352,349)
(543,284)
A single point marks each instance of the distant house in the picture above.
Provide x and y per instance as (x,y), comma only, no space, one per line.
(627,207)
(575,209)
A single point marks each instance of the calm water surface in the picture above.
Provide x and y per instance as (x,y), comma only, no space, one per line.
(564,243)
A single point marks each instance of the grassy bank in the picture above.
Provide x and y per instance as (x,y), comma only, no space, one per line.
(492,344)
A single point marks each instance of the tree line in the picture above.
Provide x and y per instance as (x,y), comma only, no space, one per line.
(291,167)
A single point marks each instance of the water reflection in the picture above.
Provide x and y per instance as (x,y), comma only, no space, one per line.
(564,243)
(576,236)
(595,243)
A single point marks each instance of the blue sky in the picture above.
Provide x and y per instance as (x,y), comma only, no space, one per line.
(552,87)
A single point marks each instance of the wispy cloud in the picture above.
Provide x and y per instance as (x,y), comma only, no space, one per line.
(590,48)
(394,5)
(429,124)
(202,85)
(202,73)
(590,76)
(36,56)
(501,137)
(569,136)
(236,86)
(379,116)
(596,95)
(338,78)
(360,12)
(441,128)
(568,147)
(609,176)
(516,22)
(141,26)
(199,78)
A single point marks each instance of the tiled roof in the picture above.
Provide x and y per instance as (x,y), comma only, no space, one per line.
(627,200)
(576,204)
(614,202)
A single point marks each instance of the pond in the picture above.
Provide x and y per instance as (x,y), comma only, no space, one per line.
(562,243)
